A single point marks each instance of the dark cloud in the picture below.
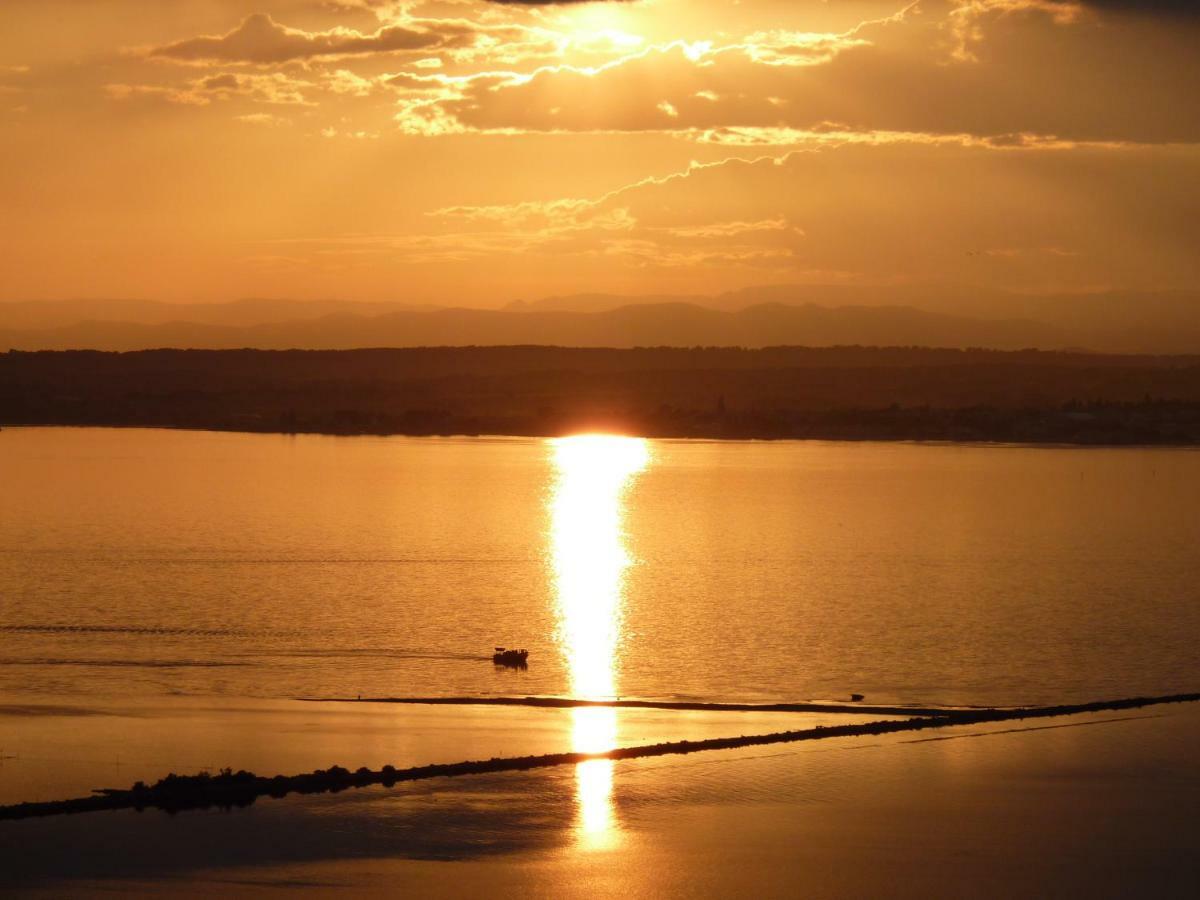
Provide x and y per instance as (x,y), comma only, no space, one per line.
(1131,7)
(1008,72)
(1173,7)
(1147,7)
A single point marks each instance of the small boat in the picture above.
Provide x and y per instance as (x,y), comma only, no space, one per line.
(513,659)
(854,698)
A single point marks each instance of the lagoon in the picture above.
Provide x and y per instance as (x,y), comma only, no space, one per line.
(148,563)
(166,596)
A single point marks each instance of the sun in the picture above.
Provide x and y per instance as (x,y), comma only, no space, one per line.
(601,23)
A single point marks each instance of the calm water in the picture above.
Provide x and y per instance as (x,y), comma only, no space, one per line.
(137,563)
(1093,806)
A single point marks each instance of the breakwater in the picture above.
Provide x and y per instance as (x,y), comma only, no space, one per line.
(229,789)
(695,705)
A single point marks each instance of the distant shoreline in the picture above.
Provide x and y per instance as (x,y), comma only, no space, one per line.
(848,394)
(982,442)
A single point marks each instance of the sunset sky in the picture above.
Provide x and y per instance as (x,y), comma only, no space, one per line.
(476,152)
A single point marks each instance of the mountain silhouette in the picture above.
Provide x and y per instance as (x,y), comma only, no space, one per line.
(812,315)
(659,324)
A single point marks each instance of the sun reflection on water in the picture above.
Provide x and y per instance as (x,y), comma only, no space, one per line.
(590,558)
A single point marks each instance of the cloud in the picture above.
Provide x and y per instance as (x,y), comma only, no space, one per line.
(990,71)
(260,39)
(268,119)
(922,212)
(986,68)
(272,88)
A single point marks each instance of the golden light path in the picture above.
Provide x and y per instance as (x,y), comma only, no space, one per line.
(593,474)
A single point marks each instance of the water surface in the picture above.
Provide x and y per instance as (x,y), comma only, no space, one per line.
(1092,806)
(163,595)
(143,563)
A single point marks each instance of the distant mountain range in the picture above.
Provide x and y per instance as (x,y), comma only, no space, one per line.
(644,325)
(1167,322)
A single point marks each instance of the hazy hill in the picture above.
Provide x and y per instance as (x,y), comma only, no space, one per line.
(47,314)
(592,303)
(675,324)
(1116,321)
(927,315)
(1112,321)
(952,299)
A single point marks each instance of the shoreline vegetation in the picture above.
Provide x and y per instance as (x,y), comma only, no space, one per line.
(230,789)
(816,393)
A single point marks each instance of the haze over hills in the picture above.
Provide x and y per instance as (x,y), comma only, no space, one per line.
(1164,322)
(1107,321)
(664,324)
(48,314)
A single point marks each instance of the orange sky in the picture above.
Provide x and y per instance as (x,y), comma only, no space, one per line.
(474,152)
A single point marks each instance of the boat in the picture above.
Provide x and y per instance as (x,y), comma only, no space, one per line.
(513,659)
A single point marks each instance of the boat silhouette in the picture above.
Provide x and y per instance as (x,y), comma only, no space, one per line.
(512,659)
